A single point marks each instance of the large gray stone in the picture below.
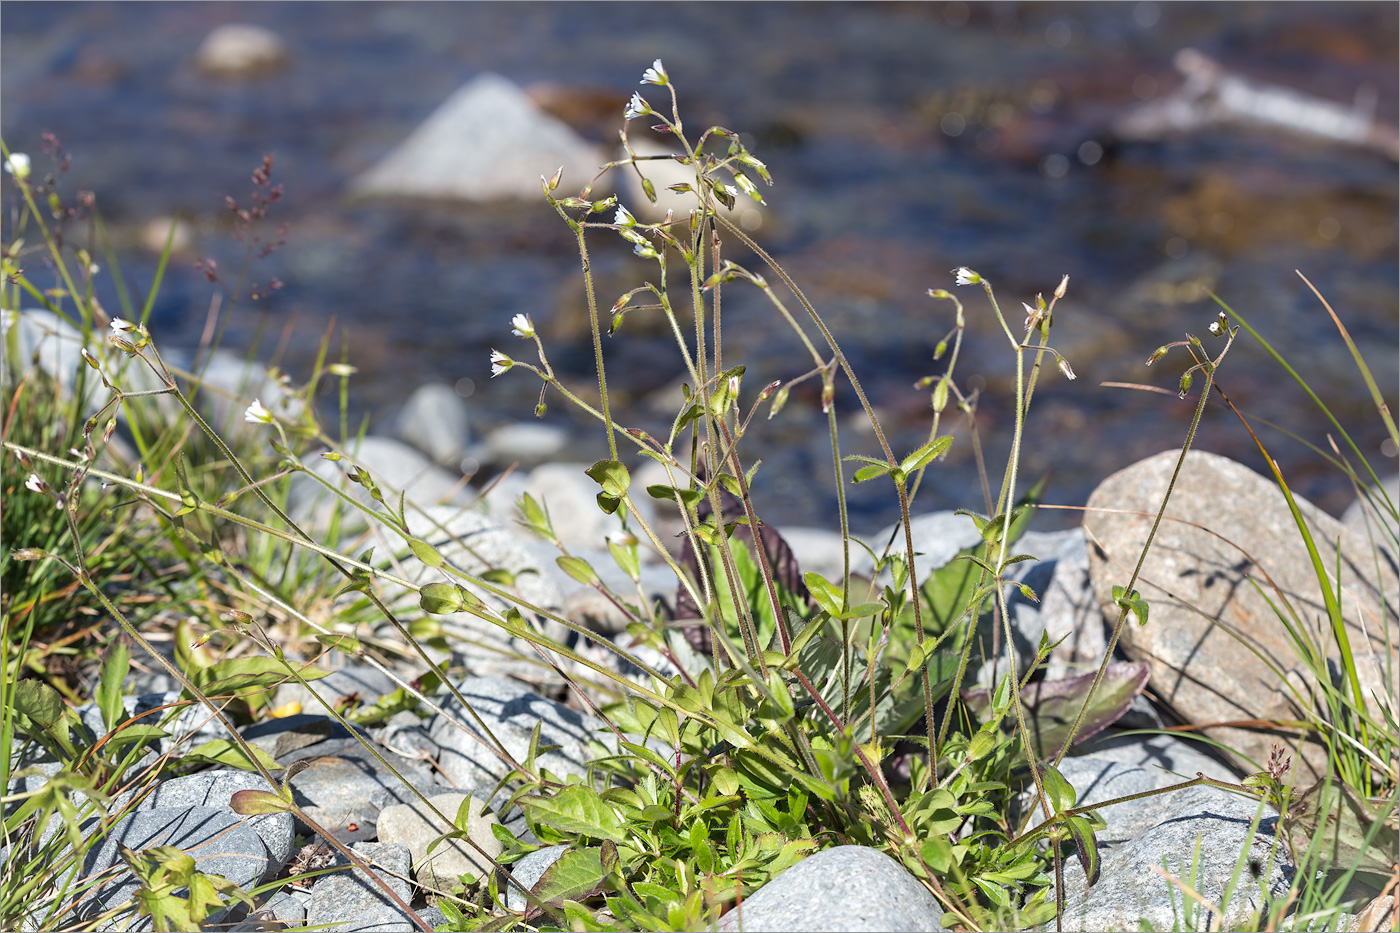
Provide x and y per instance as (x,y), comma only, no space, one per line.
(511,712)
(1212,638)
(220,841)
(215,789)
(848,888)
(1203,826)
(415,826)
(192,725)
(1168,758)
(349,900)
(346,787)
(524,442)
(434,420)
(1373,511)
(486,142)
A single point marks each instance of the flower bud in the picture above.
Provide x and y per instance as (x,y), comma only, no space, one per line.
(1062,287)
(966,276)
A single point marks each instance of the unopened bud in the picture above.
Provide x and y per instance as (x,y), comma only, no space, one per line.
(768,390)
(1065,367)
(554,179)
(1062,287)
(1157,354)
(1185,387)
(828,395)
(29,553)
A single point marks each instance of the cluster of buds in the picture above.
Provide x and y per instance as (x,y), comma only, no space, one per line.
(128,337)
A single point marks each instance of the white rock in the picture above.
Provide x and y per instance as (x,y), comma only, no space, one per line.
(666,172)
(525,442)
(819,550)
(238,49)
(571,499)
(414,825)
(488,141)
(434,419)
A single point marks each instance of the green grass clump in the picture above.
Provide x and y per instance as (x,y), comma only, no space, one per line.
(793,713)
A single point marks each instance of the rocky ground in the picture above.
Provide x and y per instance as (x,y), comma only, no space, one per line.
(1198,674)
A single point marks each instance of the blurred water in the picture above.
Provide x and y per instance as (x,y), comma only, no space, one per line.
(852,107)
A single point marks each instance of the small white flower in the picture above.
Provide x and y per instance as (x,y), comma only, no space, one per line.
(966,276)
(1064,368)
(656,74)
(624,218)
(521,326)
(257,414)
(1032,315)
(122,326)
(500,363)
(18,164)
(35,483)
(636,107)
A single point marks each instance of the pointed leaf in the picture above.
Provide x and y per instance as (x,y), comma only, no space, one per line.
(1058,791)
(109,688)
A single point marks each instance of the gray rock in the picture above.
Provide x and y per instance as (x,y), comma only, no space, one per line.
(415,826)
(239,50)
(1355,517)
(349,900)
(220,841)
(938,537)
(1203,602)
(283,909)
(524,442)
(1203,826)
(280,737)
(570,497)
(434,420)
(486,142)
(848,888)
(1170,759)
(819,550)
(1067,607)
(215,789)
(395,466)
(527,871)
(511,712)
(368,683)
(346,787)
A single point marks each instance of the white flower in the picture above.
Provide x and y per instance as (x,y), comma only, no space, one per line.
(122,326)
(500,363)
(1032,315)
(656,74)
(966,276)
(36,484)
(636,107)
(1064,368)
(521,326)
(624,218)
(257,414)
(18,164)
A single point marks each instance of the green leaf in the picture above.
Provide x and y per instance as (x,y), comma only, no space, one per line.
(577,810)
(612,476)
(225,752)
(535,517)
(578,568)
(937,852)
(425,552)
(576,874)
(1058,791)
(349,644)
(867,473)
(256,802)
(689,497)
(1132,602)
(826,593)
(1083,832)
(109,688)
(924,454)
(609,504)
(236,675)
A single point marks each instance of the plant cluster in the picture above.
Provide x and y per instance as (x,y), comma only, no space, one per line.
(790,713)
